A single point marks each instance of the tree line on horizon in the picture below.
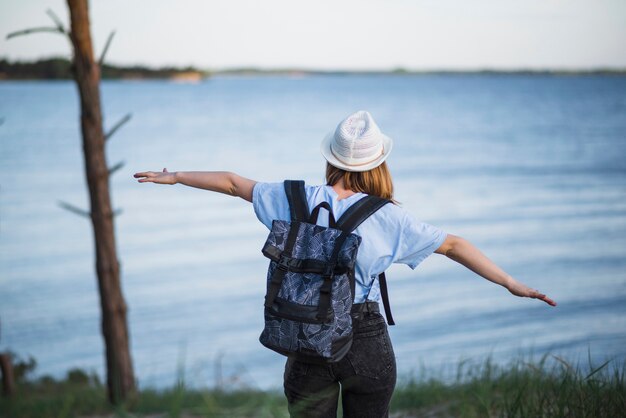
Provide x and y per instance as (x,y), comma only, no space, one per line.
(58,68)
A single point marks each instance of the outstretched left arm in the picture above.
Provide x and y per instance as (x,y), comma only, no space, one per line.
(465,253)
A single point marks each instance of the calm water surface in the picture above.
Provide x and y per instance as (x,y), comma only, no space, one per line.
(530,169)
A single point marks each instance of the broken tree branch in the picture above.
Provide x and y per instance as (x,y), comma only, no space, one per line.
(59,28)
(74,209)
(56,20)
(117,126)
(33,30)
(116,167)
(82,212)
(106,48)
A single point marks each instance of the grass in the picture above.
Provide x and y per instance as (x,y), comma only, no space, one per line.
(73,399)
(550,387)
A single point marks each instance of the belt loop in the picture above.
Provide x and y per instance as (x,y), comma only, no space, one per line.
(357,314)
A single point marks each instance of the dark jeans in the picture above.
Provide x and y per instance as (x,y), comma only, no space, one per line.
(366,376)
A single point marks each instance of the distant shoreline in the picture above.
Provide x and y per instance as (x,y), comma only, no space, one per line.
(304,72)
(60,69)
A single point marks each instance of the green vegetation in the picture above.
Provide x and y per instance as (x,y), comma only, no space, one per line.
(548,388)
(60,69)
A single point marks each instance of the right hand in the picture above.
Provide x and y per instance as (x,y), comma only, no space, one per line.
(164,177)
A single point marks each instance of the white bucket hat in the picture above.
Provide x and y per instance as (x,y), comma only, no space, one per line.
(357,144)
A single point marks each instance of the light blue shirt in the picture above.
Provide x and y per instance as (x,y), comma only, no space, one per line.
(391,235)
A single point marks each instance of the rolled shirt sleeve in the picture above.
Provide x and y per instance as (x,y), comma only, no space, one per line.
(269,201)
(418,240)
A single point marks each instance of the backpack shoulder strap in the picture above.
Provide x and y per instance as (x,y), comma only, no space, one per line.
(350,220)
(359,212)
(299,211)
(298,206)
(382,280)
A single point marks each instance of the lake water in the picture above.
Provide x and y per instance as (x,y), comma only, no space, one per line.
(531,169)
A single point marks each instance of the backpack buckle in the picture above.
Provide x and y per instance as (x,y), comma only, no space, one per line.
(329,271)
(283,263)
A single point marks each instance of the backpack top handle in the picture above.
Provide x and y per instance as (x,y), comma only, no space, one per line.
(316,211)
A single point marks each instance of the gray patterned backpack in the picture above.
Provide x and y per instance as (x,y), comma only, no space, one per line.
(310,280)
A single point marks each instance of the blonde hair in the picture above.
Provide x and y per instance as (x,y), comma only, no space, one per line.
(376,182)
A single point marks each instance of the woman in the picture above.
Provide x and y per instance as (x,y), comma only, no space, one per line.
(355,153)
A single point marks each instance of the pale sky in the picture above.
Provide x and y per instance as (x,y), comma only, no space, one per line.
(337,34)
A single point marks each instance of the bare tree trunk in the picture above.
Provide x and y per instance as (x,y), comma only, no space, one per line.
(120,378)
(8,379)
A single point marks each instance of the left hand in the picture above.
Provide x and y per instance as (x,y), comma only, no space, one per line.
(521,290)
(164,177)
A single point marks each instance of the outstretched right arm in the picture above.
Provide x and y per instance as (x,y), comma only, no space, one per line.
(216,181)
